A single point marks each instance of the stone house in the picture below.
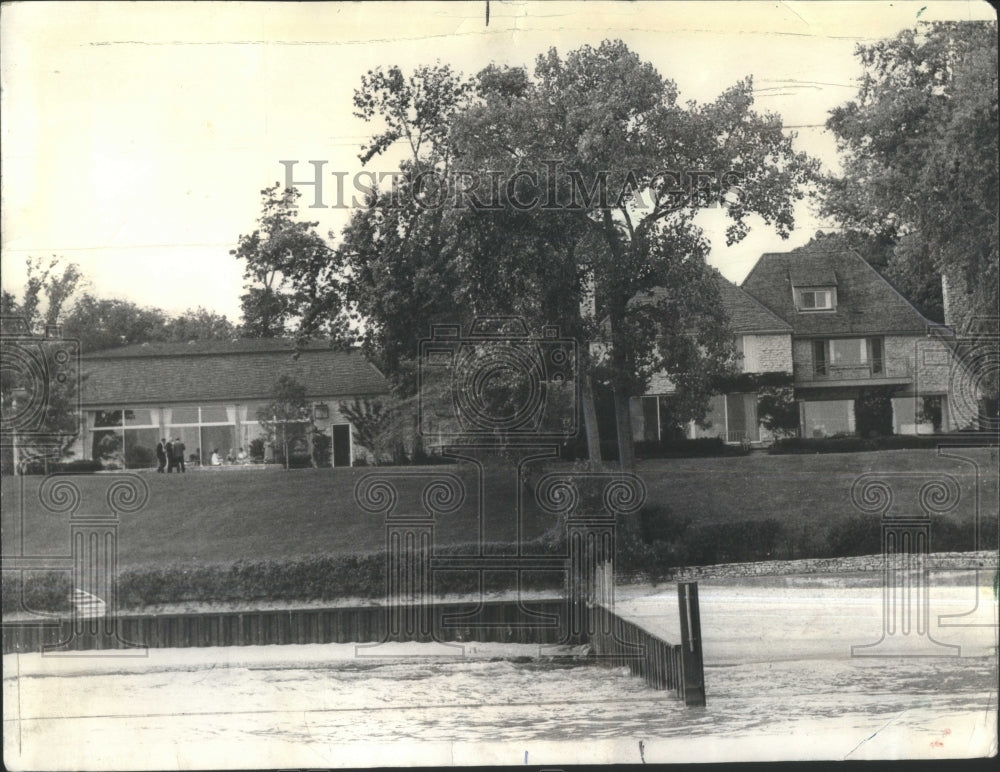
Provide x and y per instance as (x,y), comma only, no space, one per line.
(854,347)
(764,344)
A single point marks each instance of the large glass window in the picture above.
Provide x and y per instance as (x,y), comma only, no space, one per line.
(218,438)
(215,414)
(140,447)
(205,429)
(142,417)
(179,416)
(825,418)
(103,418)
(846,352)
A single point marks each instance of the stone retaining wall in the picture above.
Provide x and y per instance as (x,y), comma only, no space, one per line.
(985,559)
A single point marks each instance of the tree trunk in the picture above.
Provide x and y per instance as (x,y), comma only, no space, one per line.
(590,420)
(623,420)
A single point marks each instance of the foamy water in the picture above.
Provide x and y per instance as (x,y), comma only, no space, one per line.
(779,677)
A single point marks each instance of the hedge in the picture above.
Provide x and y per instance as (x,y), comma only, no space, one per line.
(855,443)
(684,448)
(660,543)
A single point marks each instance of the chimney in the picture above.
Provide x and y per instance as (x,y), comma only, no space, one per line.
(946,301)
(588,302)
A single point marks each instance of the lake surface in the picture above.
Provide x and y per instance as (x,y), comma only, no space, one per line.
(780,679)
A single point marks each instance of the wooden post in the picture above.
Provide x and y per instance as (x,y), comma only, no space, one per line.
(692,666)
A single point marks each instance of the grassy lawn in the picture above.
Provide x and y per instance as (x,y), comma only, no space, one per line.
(216,516)
(810,490)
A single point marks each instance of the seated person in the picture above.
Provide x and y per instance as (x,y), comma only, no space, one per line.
(216,461)
(241,457)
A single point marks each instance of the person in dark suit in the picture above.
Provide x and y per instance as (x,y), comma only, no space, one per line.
(169,448)
(161,455)
(179,454)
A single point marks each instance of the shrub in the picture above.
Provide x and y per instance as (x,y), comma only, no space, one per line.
(37,591)
(322,445)
(740,541)
(854,535)
(80,466)
(873,412)
(685,448)
(139,457)
(257,449)
(657,523)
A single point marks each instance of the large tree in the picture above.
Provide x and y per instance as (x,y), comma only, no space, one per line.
(48,287)
(39,377)
(919,149)
(288,269)
(602,137)
(103,323)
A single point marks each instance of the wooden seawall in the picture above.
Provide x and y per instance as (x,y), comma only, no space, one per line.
(614,641)
(618,642)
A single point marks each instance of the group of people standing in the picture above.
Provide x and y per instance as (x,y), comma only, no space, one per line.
(170,455)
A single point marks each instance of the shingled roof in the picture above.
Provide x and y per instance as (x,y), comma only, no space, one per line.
(232,371)
(866,303)
(746,314)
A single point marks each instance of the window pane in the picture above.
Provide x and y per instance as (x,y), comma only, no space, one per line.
(141,417)
(876,350)
(819,356)
(184,415)
(104,418)
(808,299)
(850,351)
(188,437)
(214,414)
(218,438)
(140,448)
(827,418)
(650,419)
(106,447)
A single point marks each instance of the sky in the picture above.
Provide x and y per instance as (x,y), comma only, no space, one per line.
(136,137)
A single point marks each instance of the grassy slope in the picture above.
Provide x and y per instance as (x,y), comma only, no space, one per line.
(206,517)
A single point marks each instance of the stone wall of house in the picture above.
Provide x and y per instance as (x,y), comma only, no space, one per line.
(761,354)
(930,360)
(802,354)
(767,353)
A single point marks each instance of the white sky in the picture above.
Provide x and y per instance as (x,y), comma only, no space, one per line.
(136,137)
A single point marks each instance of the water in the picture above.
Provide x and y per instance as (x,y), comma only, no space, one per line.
(779,677)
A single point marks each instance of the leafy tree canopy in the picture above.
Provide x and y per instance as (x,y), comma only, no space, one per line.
(919,146)
(601,136)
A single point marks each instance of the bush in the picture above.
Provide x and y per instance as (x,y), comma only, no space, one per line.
(322,445)
(256,450)
(862,535)
(139,457)
(80,466)
(854,535)
(741,541)
(38,591)
(852,443)
(685,448)
(873,412)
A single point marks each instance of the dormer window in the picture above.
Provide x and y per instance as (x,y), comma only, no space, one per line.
(816,299)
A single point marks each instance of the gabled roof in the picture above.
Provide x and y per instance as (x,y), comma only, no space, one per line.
(866,303)
(235,371)
(746,314)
